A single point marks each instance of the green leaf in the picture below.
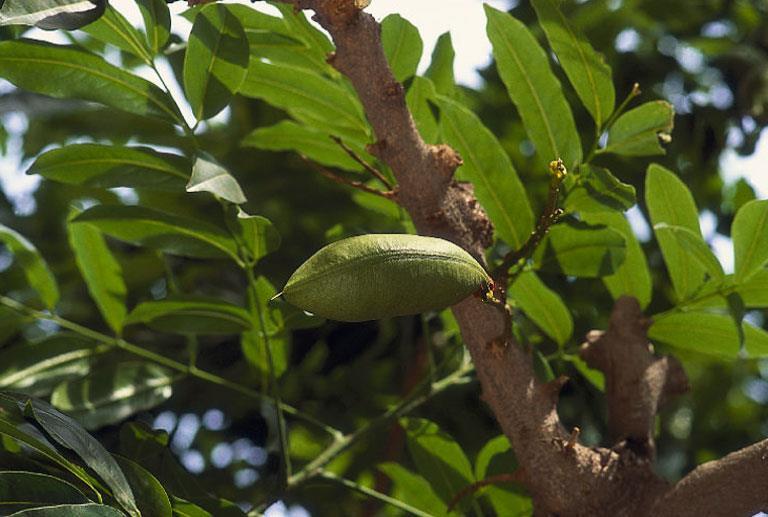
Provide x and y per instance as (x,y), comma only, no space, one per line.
(35,268)
(103,275)
(756,341)
(639,131)
(524,68)
(581,250)
(585,68)
(402,46)
(440,70)
(150,495)
(701,332)
(633,277)
(157,23)
(191,315)
(497,187)
(597,190)
(157,230)
(68,433)
(307,141)
(71,510)
(496,457)
(21,490)
(259,235)
(669,201)
(184,508)
(113,28)
(308,97)
(713,294)
(254,342)
(421,100)
(108,166)
(595,377)
(543,306)
(413,489)
(113,393)
(438,458)
(210,176)
(36,368)
(67,73)
(754,291)
(693,246)
(51,14)
(216,61)
(750,239)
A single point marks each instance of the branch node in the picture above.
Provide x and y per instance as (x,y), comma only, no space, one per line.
(573,439)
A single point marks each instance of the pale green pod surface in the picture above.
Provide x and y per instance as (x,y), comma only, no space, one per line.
(383,275)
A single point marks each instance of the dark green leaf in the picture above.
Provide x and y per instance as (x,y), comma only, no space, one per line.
(693,246)
(21,490)
(639,131)
(150,495)
(51,14)
(413,489)
(595,377)
(497,186)
(669,201)
(421,99)
(68,433)
(543,306)
(524,67)
(402,46)
(260,237)
(191,315)
(113,28)
(108,166)
(210,176)
(307,141)
(113,393)
(581,250)
(216,61)
(65,72)
(36,368)
(35,268)
(438,458)
(496,458)
(103,275)
(157,23)
(254,343)
(157,230)
(440,70)
(633,276)
(184,508)
(750,239)
(597,190)
(309,98)
(585,68)
(72,510)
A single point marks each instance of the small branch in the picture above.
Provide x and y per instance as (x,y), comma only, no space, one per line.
(514,477)
(736,484)
(634,92)
(352,154)
(637,382)
(549,216)
(369,492)
(345,181)
(162,360)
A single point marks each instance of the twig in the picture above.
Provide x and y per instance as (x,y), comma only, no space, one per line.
(372,493)
(514,477)
(345,181)
(549,216)
(352,154)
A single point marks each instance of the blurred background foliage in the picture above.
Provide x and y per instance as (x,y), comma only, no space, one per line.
(709,58)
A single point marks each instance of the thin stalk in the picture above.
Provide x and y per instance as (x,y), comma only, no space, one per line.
(165,361)
(634,92)
(373,494)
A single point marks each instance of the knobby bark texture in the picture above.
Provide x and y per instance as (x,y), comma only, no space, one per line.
(563,477)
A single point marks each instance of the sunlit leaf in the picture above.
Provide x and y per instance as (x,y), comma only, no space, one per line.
(51,14)
(750,239)
(402,45)
(440,70)
(413,489)
(581,250)
(639,131)
(113,28)
(597,190)
(151,498)
(157,23)
(210,176)
(543,305)
(693,246)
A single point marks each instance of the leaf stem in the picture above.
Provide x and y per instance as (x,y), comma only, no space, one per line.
(634,92)
(192,371)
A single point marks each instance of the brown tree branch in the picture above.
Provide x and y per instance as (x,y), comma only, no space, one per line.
(637,382)
(734,485)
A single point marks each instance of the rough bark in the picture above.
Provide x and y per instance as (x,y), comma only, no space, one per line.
(563,478)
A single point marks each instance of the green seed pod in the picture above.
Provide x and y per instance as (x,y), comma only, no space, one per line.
(383,275)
